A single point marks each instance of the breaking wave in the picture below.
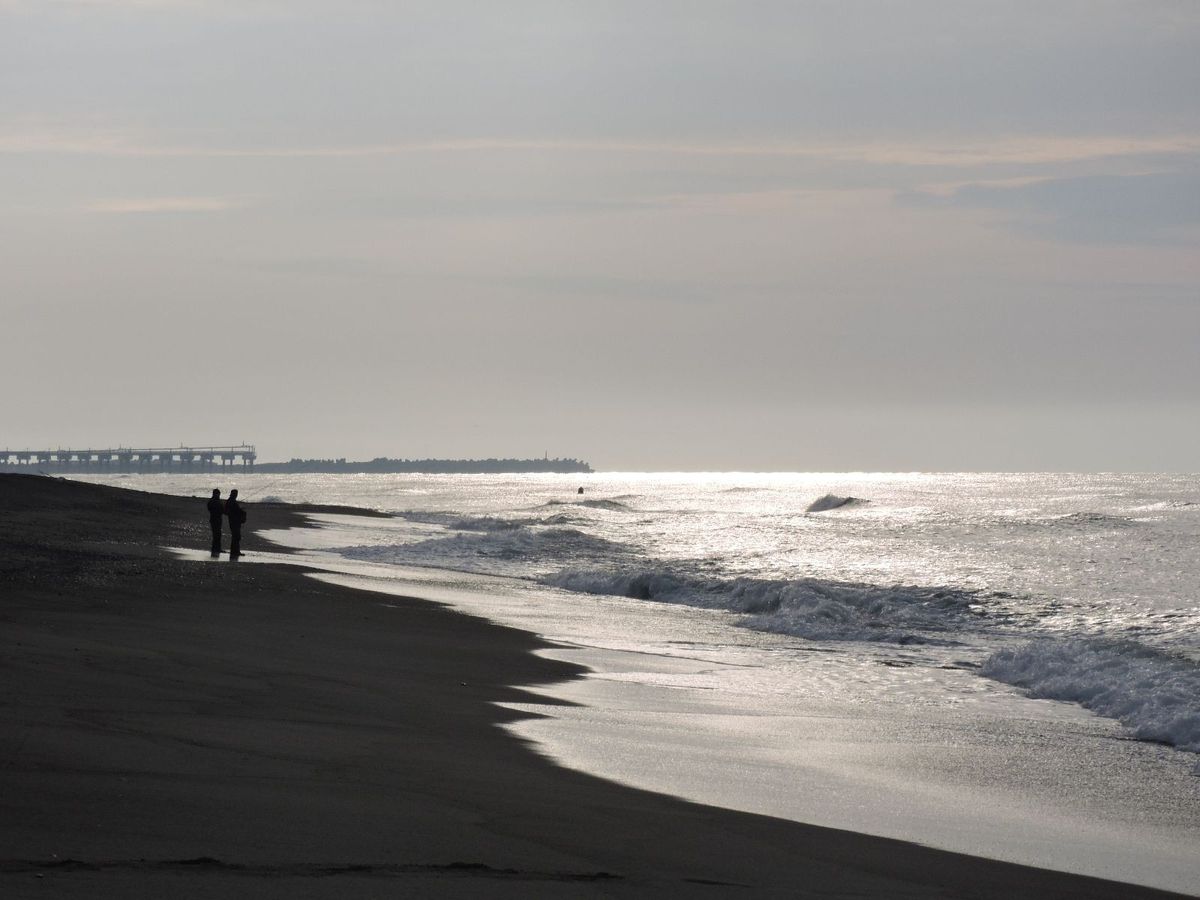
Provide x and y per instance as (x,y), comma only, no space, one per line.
(601,503)
(520,551)
(833,501)
(809,608)
(561,519)
(1154,694)
(1090,520)
(460,522)
(605,504)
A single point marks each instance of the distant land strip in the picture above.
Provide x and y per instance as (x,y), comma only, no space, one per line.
(383,464)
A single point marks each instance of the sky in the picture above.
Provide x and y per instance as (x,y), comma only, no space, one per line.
(816,235)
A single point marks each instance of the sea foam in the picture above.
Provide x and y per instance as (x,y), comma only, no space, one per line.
(1154,694)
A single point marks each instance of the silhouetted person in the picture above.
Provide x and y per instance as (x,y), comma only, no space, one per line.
(236,516)
(215,509)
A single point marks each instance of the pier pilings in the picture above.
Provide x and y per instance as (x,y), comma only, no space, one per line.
(130,459)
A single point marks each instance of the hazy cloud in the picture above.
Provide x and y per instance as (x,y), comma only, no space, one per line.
(1117,208)
(125,205)
(931,151)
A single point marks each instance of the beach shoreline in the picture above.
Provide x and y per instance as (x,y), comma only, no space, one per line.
(218,729)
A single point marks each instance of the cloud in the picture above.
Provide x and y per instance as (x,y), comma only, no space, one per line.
(42,6)
(134,205)
(942,152)
(1147,208)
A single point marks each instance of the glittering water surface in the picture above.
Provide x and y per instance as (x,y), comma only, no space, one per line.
(889,653)
(1115,555)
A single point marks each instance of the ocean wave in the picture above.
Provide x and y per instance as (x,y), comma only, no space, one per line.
(487,523)
(1090,520)
(833,501)
(424,517)
(605,504)
(1160,505)
(459,522)
(562,519)
(478,550)
(601,503)
(1154,694)
(809,608)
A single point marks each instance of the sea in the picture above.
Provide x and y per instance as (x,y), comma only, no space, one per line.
(1001,664)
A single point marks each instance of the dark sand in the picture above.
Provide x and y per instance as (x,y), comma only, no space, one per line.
(217,729)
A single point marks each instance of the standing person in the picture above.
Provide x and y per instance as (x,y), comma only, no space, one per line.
(236,516)
(215,509)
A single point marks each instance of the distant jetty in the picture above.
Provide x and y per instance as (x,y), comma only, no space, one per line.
(384,465)
(129,459)
(182,460)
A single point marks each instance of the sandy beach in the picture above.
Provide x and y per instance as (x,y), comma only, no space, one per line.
(210,729)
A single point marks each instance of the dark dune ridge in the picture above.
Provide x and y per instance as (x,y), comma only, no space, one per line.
(188,729)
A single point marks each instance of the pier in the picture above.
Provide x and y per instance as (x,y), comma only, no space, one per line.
(130,459)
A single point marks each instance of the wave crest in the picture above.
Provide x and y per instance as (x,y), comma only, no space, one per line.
(459,522)
(1090,520)
(809,608)
(600,503)
(480,551)
(833,501)
(1155,695)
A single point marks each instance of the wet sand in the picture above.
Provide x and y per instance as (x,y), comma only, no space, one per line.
(214,729)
